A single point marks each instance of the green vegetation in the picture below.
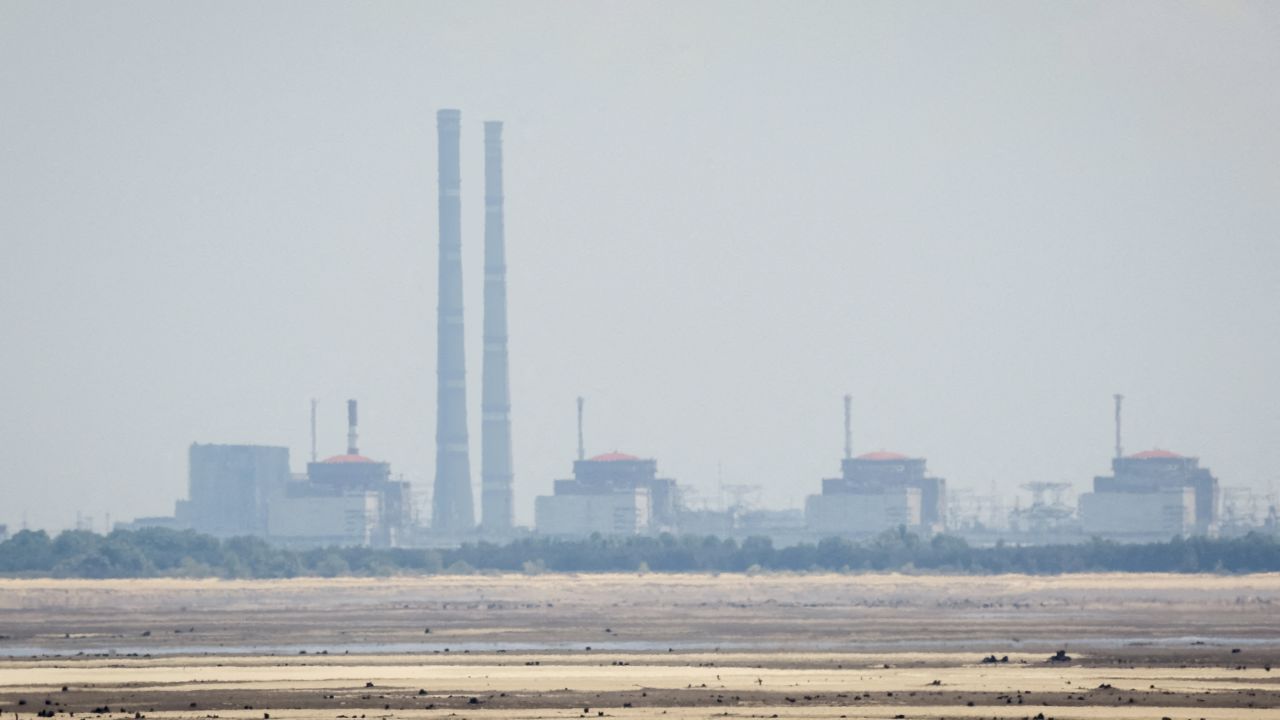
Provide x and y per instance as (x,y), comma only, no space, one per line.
(156,552)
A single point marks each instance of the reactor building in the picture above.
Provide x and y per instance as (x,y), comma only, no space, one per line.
(346,499)
(1152,495)
(611,494)
(875,492)
(237,490)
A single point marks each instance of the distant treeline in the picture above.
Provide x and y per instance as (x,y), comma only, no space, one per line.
(157,552)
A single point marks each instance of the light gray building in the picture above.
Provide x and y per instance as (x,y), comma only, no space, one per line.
(1152,495)
(875,492)
(612,494)
(348,518)
(229,488)
(346,499)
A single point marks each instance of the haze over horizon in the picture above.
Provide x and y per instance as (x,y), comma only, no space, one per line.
(980,220)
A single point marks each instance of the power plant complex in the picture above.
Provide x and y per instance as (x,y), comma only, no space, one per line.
(350,499)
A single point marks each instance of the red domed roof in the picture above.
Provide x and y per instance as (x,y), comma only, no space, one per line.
(1154,454)
(882,455)
(614,456)
(348,459)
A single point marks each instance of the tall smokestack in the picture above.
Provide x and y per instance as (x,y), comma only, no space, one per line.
(848,427)
(352,448)
(1119,447)
(314,457)
(451,510)
(582,450)
(497,479)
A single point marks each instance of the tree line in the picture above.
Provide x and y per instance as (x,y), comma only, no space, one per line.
(161,552)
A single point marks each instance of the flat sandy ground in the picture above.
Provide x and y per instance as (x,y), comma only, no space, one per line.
(679,646)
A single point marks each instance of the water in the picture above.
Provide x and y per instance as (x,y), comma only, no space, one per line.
(977,645)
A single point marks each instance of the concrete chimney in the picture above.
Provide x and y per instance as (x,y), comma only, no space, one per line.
(452,505)
(497,478)
(352,446)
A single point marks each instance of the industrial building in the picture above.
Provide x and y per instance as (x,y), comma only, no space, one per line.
(875,492)
(610,494)
(346,499)
(229,488)
(237,490)
(1153,495)
(303,519)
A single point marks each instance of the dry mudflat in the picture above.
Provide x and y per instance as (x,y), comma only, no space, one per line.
(639,646)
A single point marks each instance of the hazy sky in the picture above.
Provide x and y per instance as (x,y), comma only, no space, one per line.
(980,219)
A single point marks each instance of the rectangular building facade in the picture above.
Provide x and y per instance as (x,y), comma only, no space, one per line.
(1156,515)
(1152,479)
(230,487)
(625,512)
(876,492)
(350,518)
(863,513)
(613,494)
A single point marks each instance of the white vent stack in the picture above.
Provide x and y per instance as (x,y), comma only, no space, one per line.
(314,457)
(582,450)
(352,445)
(1119,448)
(848,427)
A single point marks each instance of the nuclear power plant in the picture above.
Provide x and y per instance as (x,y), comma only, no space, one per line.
(351,499)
